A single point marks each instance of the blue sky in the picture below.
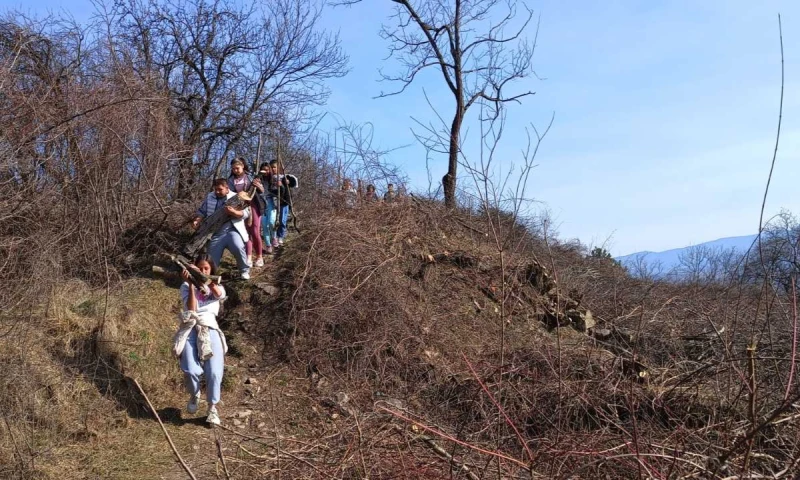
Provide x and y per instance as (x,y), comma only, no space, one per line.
(665,114)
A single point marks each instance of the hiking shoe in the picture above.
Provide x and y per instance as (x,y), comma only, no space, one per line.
(213,416)
(194,401)
(260,262)
(268,250)
(275,243)
(245,275)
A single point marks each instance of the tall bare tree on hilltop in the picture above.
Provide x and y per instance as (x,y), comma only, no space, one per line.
(479,48)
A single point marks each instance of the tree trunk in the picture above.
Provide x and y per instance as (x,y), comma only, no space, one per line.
(449,180)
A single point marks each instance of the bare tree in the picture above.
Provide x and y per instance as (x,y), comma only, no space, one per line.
(469,42)
(230,68)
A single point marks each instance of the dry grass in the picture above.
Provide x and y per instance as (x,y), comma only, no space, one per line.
(66,402)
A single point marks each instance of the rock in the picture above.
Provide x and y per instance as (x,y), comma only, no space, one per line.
(243,414)
(250,381)
(396,403)
(581,321)
(268,289)
(601,333)
(236,422)
(340,402)
(624,335)
(261,426)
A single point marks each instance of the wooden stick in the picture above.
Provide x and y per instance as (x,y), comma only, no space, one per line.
(219,452)
(430,442)
(166,434)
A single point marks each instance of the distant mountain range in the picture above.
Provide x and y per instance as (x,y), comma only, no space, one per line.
(668,260)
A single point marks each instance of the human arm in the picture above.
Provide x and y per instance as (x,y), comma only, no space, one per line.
(201,213)
(234,213)
(188,293)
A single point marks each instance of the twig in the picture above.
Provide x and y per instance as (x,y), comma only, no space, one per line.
(219,452)
(166,434)
(430,442)
(453,439)
(503,412)
(794,341)
(774,153)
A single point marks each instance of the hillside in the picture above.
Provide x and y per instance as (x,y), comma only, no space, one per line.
(398,342)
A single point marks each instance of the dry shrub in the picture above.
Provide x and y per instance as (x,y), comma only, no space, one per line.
(393,303)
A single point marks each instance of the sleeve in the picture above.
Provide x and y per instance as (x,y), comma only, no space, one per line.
(185,296)
(231,185)
(203,210)
(224,293)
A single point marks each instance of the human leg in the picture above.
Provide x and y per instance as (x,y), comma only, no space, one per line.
(216,247)
(255,236)
(235,245)
(268,223)
(214,368)
(192,371)
(282,227)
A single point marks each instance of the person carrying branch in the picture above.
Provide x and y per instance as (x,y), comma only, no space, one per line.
(239,181)
(233,234)
(268,215)
(279,184)
(199,342)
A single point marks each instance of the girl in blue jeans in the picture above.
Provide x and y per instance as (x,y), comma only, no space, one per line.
(199,342)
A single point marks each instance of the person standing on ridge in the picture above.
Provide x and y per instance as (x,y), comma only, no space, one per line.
(390,194)
(269,214)
(349,193)
(370,195)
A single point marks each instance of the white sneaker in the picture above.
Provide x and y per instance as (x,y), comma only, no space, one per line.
(213,416)
(280,241)
(245,275)
(260,262)
(249,261)
(194,401)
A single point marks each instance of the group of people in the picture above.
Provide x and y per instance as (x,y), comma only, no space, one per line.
(352,196)
(249,234)
(257,230)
